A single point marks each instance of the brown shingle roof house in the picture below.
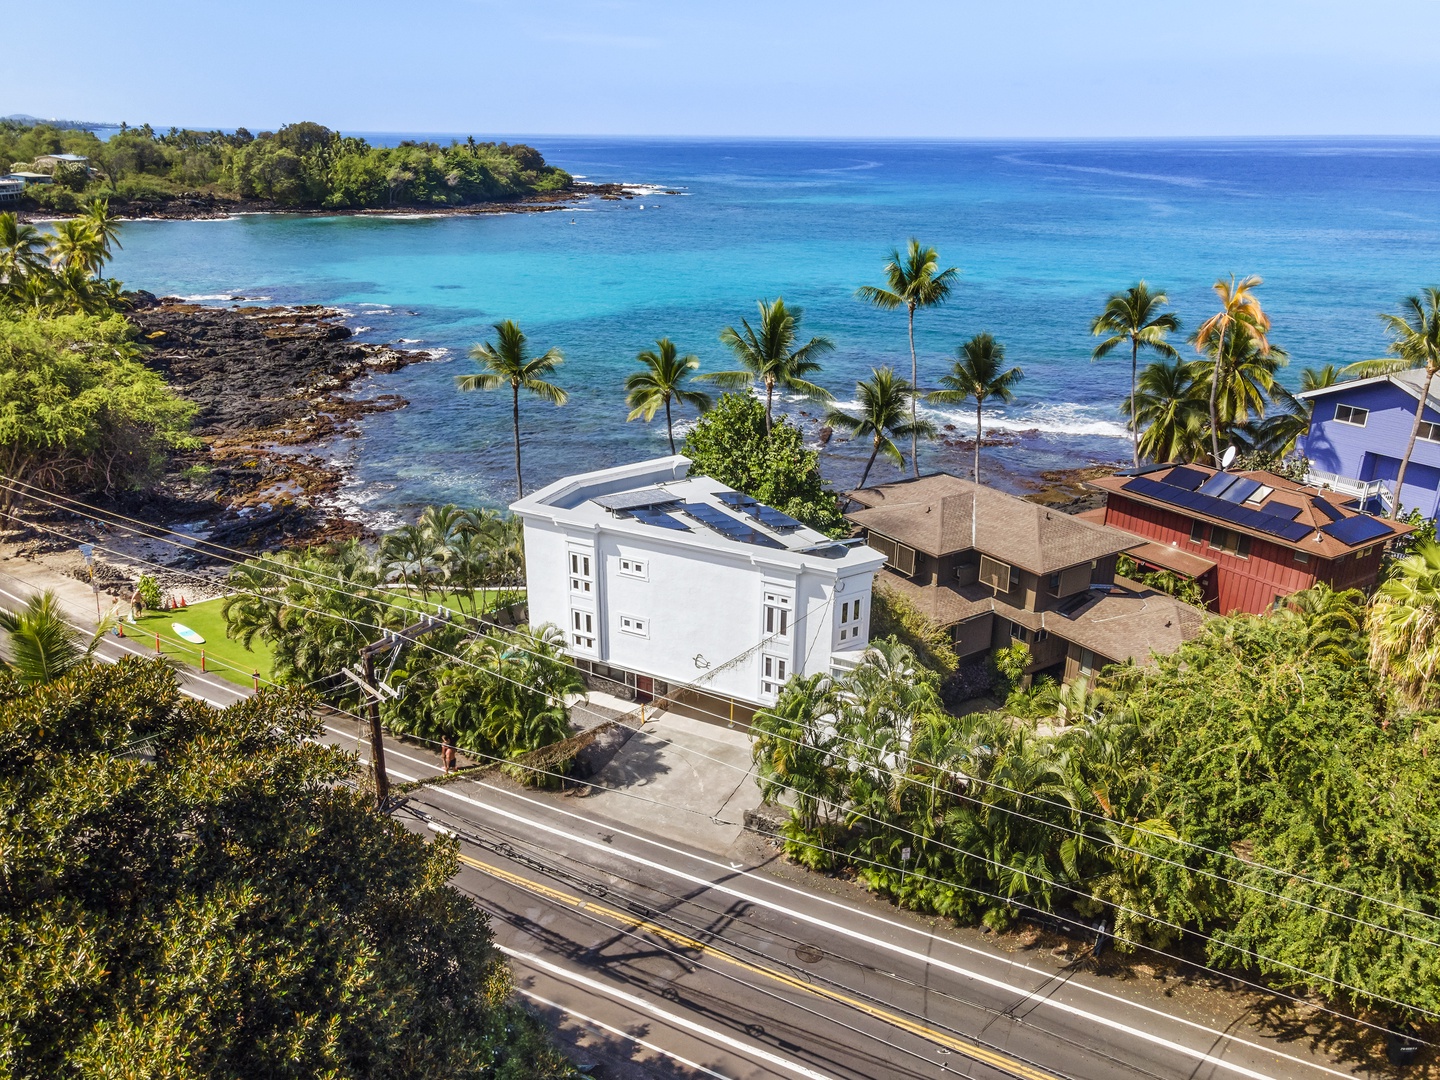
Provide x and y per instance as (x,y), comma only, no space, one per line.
(994,568)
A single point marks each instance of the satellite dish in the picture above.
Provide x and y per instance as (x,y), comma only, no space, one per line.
(1228,457)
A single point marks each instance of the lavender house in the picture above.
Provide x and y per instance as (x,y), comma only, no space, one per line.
(1358,434)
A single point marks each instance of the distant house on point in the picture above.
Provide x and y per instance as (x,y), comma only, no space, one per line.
(1358,434)
(54,161)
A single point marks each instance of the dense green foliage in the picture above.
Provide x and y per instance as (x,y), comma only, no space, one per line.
(735,444)
(1220,794)
(893,615)
(303,165)
(41,645)
(78,411)
(189,892)
(1179,586)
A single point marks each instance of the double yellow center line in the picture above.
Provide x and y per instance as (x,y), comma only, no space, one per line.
(974,1051)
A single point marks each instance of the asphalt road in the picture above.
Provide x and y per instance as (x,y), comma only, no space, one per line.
(658,960)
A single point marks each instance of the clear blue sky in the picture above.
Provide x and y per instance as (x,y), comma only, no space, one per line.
(738,67)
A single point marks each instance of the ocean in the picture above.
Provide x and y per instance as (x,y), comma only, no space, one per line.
(1042,232)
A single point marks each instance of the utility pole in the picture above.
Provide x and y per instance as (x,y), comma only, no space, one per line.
(372,691)
(377,739)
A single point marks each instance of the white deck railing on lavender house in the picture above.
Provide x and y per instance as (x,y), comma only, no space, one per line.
(1364,490)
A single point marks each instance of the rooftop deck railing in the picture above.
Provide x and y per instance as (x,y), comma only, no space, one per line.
(1364,490)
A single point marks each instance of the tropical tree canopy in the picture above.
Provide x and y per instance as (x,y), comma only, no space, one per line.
(978,373)
(41,644)
(768,354)
(192,892)
(912,281)
(734,444)
(662,385)
(1239,330)
(886,413)
(1134,317)
(508,362)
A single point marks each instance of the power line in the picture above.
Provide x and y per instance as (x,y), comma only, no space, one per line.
(1050,882)
(1063,807)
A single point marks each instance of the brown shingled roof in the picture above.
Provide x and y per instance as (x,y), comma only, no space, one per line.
(933,515)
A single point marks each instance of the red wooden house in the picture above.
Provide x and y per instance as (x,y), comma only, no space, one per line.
(1249,538)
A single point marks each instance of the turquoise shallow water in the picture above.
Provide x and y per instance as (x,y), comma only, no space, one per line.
(1043,232)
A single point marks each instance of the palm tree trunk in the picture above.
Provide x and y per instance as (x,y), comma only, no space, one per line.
(978,402)
(669,425)
(1214,398)
(1134,374)
(515,418)
(1414,434)
(914,394)
(873,454)
(769,403)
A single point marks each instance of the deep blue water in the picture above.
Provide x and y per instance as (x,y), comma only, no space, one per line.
(1042,231)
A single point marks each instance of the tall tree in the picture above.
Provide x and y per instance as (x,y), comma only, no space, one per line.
(76,246)
(1170,411)
(41,644)
(1240,314)
(662,383)
(105,226)
(912,281)
(769,355)
(1415,343)
(977,374)
(886,413)
(1135,316)
(509,363)
(1405,625)
(22,251)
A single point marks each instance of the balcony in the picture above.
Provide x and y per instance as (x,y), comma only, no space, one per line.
(1372,494)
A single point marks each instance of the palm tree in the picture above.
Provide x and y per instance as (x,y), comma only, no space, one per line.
(442,527)
(1240,314)
(661,383)
(509,364)
(1405,624)
(22,250)
(75,246)
(1170,410)
(105,225)
(914,281)
(408,550)
(793,745)
(42,646)
(1332,621)
(1277,433)
(1134,316)
(976,374)
(886,414)
(770,355)
(1415,343)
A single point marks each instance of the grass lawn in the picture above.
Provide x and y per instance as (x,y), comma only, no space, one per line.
(224,656)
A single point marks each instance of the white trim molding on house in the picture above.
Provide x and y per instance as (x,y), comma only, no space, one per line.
(666,580)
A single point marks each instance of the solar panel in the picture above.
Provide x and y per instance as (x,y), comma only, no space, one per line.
(657,518)
(1293,530)
(1326,507)
(632,500)
(1357,530)
(1210,506)
(1241,489)
(773,519)
(1217,484)
(738,499)
(1281,510)
(727,526)
(1183,477)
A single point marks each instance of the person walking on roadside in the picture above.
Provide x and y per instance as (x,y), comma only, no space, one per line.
(447,755)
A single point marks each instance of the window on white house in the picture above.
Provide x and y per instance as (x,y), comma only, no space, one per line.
(632,567)
(582,629)
(632,625)
(773,672)
(581,580)
(1429,432)
(851,628)
(777,616)
(1350,414)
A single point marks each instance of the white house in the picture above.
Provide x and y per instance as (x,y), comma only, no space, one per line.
(663,581)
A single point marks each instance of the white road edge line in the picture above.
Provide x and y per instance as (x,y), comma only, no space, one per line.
(1026,995)
(590,1020)
(669,1017)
